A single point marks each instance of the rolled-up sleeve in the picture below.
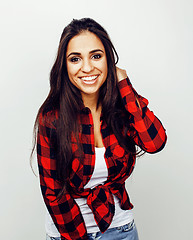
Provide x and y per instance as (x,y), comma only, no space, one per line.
(150,133)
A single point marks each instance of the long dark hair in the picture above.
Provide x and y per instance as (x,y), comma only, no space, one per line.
(66,99)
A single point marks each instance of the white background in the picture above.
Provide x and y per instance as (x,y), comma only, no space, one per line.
(154,40)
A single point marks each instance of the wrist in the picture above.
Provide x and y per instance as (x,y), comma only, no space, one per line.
(121,74)
(121,79)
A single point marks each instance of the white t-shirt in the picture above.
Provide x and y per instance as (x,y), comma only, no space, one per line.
(99,176)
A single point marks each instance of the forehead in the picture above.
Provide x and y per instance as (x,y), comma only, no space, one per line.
(84,42)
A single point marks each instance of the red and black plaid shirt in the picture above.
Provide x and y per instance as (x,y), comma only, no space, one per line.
(150,136)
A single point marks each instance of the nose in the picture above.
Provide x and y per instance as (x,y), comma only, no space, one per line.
(87,66)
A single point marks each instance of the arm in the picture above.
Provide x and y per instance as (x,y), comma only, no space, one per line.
(64,211)
(151,135)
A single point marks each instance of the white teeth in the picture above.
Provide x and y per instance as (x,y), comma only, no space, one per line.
(89,78)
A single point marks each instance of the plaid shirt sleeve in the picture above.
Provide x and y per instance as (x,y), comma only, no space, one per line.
(64,211)
(151,135)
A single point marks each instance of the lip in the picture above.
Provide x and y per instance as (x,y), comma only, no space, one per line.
(90,82)
(93,75)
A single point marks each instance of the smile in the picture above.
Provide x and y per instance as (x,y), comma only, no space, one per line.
(89,79)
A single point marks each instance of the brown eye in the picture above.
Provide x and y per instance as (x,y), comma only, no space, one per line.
(74,59)
(96,56)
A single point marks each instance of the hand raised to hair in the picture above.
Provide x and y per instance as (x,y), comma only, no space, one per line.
(121,74)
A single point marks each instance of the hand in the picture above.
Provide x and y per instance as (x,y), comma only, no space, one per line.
(121,74)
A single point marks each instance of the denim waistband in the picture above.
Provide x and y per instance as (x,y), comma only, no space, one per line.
(126,227)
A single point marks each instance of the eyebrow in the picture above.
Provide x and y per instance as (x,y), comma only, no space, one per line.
(78,54)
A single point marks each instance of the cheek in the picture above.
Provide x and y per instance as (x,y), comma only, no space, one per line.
(103,67)
(72,69)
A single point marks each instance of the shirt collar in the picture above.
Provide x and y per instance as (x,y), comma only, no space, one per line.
(86,110)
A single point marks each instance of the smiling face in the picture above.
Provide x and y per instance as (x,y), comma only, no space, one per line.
(86,63)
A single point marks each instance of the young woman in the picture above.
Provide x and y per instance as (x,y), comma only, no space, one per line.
(89,128)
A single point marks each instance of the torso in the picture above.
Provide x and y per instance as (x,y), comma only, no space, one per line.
(97,133)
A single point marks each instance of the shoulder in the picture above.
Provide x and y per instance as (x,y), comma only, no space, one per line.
(48,118)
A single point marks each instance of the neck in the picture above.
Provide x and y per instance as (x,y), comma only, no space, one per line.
(90,101)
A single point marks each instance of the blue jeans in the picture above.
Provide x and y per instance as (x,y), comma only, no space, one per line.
(52,238)
(126,232)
